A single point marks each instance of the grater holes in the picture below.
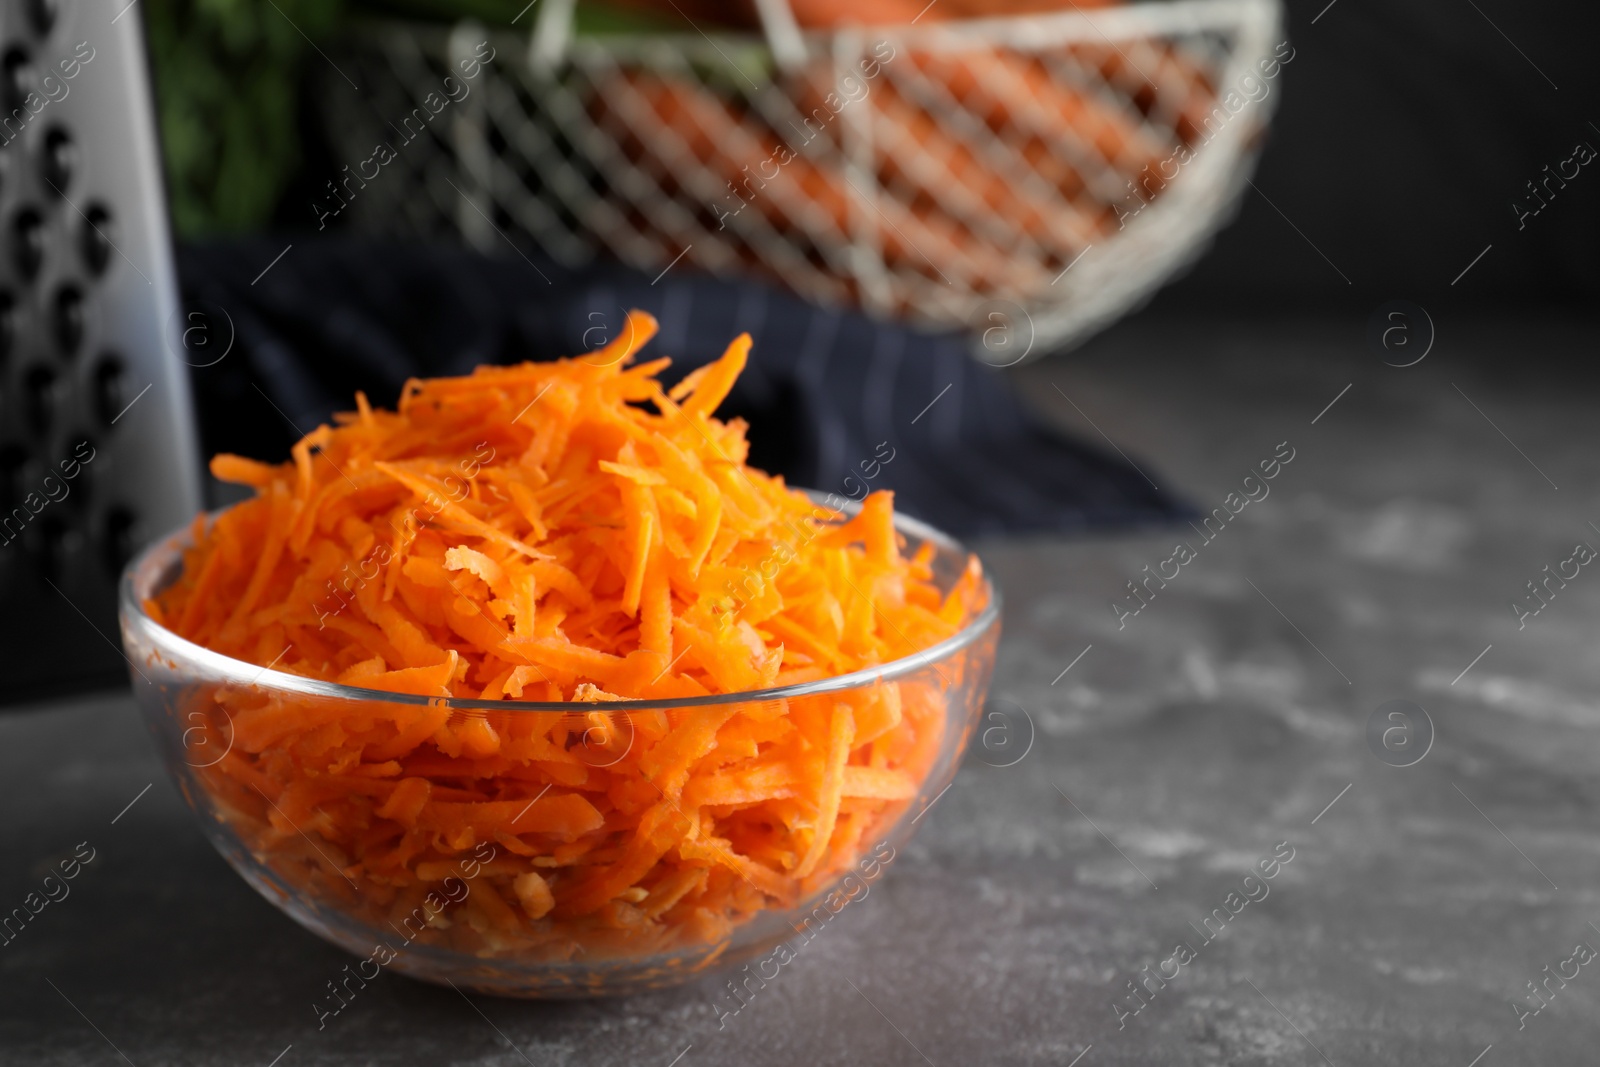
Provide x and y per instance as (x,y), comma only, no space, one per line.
(97,238)
(59,161)
(27,242)
(43,15)
(110,388)
(16,78)
(68,316)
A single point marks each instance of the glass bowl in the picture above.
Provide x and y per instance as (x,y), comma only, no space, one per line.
(414,875)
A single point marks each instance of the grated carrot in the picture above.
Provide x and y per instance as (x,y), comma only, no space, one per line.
(564,531)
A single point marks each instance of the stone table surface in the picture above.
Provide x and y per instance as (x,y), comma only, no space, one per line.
(1227,721)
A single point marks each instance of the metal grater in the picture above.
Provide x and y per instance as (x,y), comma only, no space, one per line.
(98,449)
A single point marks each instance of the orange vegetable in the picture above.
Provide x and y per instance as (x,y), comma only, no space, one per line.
(574,532)
(657,118)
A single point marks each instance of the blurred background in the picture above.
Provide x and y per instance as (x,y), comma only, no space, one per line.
(1405,132)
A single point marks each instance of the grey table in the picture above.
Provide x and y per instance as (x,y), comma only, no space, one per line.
(1226,720)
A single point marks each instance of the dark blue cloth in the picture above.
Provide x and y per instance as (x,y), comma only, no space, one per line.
(828,393)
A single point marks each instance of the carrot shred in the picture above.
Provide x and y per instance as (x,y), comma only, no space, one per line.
(569,531)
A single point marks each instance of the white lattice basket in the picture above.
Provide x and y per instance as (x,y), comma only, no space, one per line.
(1056,167)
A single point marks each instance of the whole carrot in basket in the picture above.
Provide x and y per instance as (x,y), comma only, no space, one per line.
(983,9)
(828,14)
(991,190)
(1017,94)
(812,14)
(832,14)
(790,191)
(1161,82)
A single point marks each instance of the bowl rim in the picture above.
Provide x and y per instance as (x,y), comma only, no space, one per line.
(155,559)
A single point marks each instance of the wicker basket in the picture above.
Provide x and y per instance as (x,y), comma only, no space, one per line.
(1041,172)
